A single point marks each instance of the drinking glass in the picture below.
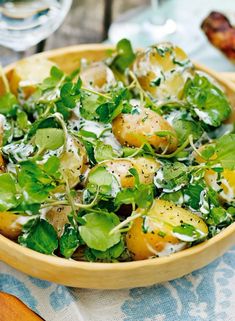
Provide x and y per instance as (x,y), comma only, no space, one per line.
(24,23)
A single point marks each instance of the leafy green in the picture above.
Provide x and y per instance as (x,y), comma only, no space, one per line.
(8,192)
(187,232)
(55,77)
(103,152)
(8,104)
(172,176)
(96,231)
(184,128)
(125,55)
(70,93)
(111,254)
(35,182)
(41,237)
(49,138)
(209,102)
(105,181)
(69,241)
(225,151)
(192,195)
(110,110)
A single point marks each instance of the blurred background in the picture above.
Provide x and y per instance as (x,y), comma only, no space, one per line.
(142,21)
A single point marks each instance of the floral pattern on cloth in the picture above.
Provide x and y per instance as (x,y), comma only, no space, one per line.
(204,295)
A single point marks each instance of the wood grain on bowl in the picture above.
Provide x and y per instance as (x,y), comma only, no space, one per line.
(12,309)
(114,275)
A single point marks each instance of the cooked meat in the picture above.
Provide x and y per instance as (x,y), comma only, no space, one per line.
(220,33)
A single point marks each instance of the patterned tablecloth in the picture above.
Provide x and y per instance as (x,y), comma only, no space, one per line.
(207,294)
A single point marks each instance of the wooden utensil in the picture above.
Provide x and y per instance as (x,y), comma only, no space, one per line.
(12,309)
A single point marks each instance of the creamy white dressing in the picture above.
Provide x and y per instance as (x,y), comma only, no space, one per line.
(168,249)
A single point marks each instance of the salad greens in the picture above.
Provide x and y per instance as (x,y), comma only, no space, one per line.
(72,168)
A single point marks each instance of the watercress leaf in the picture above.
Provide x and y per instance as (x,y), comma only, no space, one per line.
(172,177)
(8,104)
(96,231)
(103,152)
(208,101)
(41,237)
(192,195)
(225,152)
(218,215)
(175,197)
(56,73)
(51,167)
(7,192)
(105,181)
(36,184)
(187,233)
(125,55)
(184,128)
(89,105)
(90,151)
(69,241)
(108,111)
(49,138)
(112,253)
(70,94)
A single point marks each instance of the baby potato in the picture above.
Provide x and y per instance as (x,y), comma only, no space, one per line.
(223,183)
(73,162)
(97,76)
(135,129)
(58,217)
(145,166)
(159,238)
(162,70)
(10,225)
(28,73)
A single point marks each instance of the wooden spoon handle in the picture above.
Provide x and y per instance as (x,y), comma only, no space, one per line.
(12,309)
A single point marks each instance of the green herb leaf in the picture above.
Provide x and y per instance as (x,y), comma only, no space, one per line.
(49,138)
(209,102)
(41,237)
(187,233)
(109,255)
(184,128)
(7,192)
(69,241)
(225,151)
(96,231)
(103,152)
(8,104)
(125,55)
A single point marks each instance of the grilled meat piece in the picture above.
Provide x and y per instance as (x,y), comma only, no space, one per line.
(220,33)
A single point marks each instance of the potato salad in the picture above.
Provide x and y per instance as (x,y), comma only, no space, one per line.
(128,158)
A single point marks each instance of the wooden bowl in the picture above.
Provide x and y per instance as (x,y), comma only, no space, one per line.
(114,275)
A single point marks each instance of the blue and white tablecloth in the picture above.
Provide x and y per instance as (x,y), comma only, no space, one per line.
(204,295)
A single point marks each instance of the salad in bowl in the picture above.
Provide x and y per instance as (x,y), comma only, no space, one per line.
(128,158)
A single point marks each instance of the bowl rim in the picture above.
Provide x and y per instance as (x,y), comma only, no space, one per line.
(98,266)
(69,263)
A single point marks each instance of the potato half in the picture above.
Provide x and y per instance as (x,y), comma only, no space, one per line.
(136,129)
(154,235)
(223,183)
(162,70)
(145,166)
(28,73)
(97,76)
(10,225)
